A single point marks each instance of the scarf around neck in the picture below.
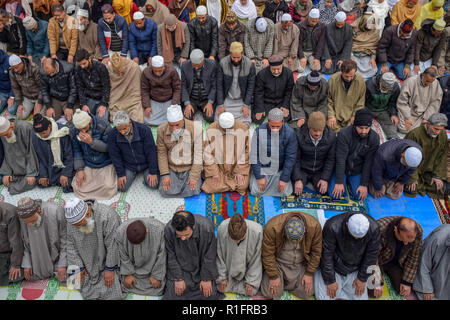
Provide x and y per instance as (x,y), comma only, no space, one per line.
(54,137)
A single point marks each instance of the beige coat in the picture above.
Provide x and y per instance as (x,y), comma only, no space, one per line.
(285,44)
(88,40)
(170,152)
(343,105)
(225,161)
(70,35)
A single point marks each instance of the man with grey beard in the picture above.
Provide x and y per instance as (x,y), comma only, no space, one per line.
(92,254)
(20,165)
(43,229)
(431,174)
(87,35)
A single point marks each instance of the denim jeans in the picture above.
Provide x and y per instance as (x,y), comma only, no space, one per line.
(93,107)
(4,102)
(397,68)
(131,175)
(353,181)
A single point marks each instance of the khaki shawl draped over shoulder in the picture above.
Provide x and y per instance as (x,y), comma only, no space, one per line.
(365,40)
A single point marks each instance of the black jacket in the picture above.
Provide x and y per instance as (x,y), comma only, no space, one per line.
(61,86)
(273,92)
(376,100)
(311,158)
(204,37)
(246,79)
(391,48)
(15,37)
(93,83)
(271,9)
(354,155)
(343,253)
(318,38)
(209,80)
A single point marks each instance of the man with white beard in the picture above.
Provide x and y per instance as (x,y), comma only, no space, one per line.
(91,251)
(20,165)
(43,229)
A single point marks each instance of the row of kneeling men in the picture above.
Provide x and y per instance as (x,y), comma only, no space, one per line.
(85,245)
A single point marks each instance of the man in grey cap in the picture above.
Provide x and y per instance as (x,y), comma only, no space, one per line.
(291,250)
(431,174)
(381,100)
(37,40)
(271,170)
(11,245)
(198,86)
(91,250)
(20,166)
(43,228)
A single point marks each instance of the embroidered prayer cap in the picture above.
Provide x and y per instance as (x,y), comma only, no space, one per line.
(81,119)
(121,118)
(136,232)
(275,60)
(407,26)
(314,13)
(275,115)
(174,113)
(388,80)
(27,207)
(107,8)
(157,61)
(201,10)
(40,123)
(413,157)
(313,78)
(4,124)
(236,47)
(230,17)
(363,118)
(316,120)
(117,63)
(294,228)
(341,16)
(358,225)
(261,24)
(83,13)
(29,23)
(197,56)
(286,17)
(237,227)
(226,120)
(170,20)
(439,25)
(138,15)
(14,60)
(75,210)
(438,119)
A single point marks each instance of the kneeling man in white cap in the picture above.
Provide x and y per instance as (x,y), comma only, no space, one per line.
(160,88)
(227,156)
(20,166)
(92,254)
(285,42)
(350,246)
(180,155)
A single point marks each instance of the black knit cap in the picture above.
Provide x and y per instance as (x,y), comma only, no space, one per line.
(363,118)
(40,123)
(136,232)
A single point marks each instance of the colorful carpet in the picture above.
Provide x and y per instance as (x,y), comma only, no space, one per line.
(221,206)
(443,209)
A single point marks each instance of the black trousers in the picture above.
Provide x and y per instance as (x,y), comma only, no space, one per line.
(395,274)
(200,105)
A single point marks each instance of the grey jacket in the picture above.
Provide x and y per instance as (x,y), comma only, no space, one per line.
(10,235)
(209,80)
(305,101)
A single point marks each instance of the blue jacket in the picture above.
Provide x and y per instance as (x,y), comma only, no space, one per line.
(45,156)
(5,83)
(104,35)
(139,153)
(287,144)
(387,166)
(94,155)
(37,42)
(143,40)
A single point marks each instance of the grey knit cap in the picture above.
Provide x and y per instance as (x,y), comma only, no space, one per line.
(276,114)
(438,119)
(27,207)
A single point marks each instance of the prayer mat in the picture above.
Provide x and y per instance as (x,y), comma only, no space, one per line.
(221,206)
(443,208)
(311,200)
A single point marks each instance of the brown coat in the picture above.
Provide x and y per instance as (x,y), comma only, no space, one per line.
(70,35)
(409,257)
(227,36)
(192,138)
(164,88)
(274,237)
(217,155)
(88,40)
